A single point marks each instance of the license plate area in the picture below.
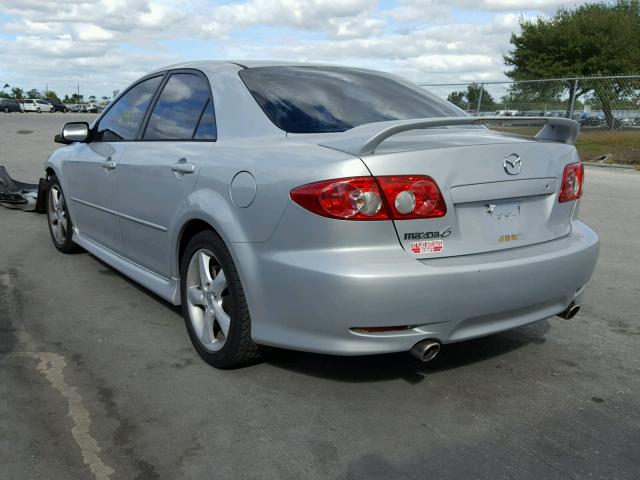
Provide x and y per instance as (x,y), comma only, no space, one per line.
(503,211)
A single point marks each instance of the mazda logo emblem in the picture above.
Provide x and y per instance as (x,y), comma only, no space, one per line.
(512,164)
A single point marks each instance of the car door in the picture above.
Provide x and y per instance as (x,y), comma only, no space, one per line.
(43,106)
(157,174)
(91,173)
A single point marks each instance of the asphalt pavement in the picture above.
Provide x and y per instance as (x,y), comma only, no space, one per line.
(98,378)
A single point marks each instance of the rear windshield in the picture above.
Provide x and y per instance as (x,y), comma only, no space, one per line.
(334,99)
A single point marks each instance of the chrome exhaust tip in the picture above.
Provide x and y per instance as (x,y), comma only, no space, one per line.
(571,311)
(425,350)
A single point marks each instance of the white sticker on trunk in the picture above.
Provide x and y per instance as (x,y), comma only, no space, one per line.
(429,246)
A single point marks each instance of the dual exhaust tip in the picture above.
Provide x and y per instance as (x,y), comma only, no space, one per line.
(427,350)
(571,311)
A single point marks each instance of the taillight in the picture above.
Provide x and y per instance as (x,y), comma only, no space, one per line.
(373,198)
(356,198)
(572,179)
(415,196)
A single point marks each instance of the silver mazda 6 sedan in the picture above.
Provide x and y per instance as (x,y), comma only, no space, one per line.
(324,209)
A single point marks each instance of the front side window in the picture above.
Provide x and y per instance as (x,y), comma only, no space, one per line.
(184,110)
(122,121)
(301,99)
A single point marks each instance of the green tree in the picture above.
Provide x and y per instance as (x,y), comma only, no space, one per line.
(475,98)
(594,39)
(458,99)
(66,99)
(33,93)
(17,93)
(51,95)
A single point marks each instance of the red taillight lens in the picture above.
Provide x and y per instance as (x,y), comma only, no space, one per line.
(572,179)
(415,196)
(356,198)
(373,198)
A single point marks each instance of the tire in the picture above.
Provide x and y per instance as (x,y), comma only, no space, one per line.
(38,110)
(58,218)
(221,301)
(6,109)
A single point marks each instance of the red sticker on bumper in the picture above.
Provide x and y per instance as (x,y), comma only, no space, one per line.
(431,246)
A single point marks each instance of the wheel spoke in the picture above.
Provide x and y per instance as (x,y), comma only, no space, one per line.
(54,197)
(219,283)
(62,220)
(196,297)
(206,334)
(204,262)
(58,232)
(222,318)
(61,202)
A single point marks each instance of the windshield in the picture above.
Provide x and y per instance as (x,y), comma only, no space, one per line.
(334,99)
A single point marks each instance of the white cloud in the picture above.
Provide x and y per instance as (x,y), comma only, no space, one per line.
(108,43)
(337,17)
(517,5)
(415,10)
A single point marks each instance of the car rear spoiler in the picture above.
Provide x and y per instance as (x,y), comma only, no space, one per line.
(364,139)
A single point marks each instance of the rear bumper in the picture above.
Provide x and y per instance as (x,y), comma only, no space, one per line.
(310,299)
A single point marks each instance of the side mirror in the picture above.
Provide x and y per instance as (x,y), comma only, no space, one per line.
(73,132)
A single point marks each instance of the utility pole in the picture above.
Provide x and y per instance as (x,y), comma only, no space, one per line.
(480,98)
(78,92)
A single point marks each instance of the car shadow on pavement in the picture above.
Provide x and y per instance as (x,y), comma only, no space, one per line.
(377,368)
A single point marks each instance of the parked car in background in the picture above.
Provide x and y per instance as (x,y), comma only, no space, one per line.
(37,105)
(593,121)
(8,105)
(58,106)
(77,108)
(292,214)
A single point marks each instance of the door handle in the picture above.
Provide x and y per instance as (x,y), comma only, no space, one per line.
(183,166)
(109,164)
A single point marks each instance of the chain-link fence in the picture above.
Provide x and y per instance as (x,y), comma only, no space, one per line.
(608,109)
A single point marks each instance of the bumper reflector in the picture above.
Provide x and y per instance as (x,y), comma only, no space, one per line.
(397,328)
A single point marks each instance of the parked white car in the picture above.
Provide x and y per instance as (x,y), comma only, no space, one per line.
(37,105)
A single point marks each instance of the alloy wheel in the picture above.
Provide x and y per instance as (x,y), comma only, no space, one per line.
(58,216)
(208,300)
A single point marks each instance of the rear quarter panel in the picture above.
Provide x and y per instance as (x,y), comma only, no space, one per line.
(277,166)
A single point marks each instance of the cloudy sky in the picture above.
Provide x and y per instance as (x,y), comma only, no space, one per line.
(106,44)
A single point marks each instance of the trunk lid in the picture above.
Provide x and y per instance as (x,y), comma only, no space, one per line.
(488,208)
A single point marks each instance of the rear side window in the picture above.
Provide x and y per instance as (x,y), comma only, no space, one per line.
(184,111)
(122,121)
(332,99)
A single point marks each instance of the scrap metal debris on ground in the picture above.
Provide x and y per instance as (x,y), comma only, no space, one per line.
(21,196)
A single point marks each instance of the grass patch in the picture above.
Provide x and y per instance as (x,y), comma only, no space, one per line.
(621,146)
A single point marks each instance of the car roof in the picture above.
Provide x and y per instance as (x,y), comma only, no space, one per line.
(212,65)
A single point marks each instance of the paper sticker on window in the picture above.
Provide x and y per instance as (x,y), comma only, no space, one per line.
(432,246)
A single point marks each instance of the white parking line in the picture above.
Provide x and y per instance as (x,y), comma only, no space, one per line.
(51,365)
